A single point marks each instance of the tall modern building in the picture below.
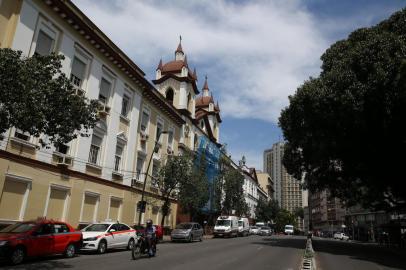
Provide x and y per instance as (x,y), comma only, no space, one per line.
(288,191)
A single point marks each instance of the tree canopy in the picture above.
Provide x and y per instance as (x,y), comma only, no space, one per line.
(266,211)
(36,97)
(344,129)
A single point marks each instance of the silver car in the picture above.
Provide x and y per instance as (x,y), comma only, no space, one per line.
(188,231)
(265,230)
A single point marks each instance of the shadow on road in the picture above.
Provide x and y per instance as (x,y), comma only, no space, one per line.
(282,242)
(45,263)
(380,255)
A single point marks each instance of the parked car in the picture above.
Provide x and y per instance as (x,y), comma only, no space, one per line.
(187,231)
(226,226)
(289,229)
(341,236)
(159,231)
(38,238)
(243,227)
(265,231)
(108,235)
(254,230)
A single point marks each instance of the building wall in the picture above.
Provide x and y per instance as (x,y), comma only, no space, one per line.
(9,15)
(113,128)
(265,182)
(46,183)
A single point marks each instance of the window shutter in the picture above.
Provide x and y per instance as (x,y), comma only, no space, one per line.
(78,68)
(44,43)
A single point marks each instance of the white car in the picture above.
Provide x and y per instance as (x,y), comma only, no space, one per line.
(254,230)
(108,235)
(341,236)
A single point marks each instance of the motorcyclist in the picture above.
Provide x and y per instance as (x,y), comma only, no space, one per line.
(150,234)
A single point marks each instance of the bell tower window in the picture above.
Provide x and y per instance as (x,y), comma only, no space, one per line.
(169,95)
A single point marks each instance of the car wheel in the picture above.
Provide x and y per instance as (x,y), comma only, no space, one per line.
(17,255)
(130,245)
(201,238)
(190,239)
(70,251)
(102,247)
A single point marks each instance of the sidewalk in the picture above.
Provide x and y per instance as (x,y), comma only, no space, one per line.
(167,238)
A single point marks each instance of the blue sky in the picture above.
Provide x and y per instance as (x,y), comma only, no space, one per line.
(255,53)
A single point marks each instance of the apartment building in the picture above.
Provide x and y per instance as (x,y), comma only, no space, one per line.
(288,191)
(101,176)
(266,183)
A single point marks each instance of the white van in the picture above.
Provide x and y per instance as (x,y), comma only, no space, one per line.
(289,229)
(226,226)
(243,227)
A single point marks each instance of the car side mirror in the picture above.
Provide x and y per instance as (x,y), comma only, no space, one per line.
(112,230)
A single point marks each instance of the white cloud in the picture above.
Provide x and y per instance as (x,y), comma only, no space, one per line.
(256,53)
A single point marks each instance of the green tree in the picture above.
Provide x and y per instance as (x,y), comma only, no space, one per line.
(233,198)
(344,129)
(284,217)
(194,190)
(36,97)
(171,178)
(299,212)
(267,211)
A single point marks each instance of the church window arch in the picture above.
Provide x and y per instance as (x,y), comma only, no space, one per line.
(169,95)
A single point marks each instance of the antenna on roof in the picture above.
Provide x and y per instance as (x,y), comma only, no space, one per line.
(180,38)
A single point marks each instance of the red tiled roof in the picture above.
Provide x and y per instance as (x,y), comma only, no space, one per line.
(173,66)
(203,101)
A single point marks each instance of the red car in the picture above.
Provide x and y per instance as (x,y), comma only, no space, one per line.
(38,238)
(159,230)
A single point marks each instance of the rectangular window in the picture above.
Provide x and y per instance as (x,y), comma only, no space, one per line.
(105,87)
(118,157)
(56,204)
(140,165)
(21,135)
(89,209)
(114,211)
(155,171)
(125,106)
(11,202)
(170,138)
(45,43)
(144,121)
(62,148)
(159,128)
(95,148)
(78,72)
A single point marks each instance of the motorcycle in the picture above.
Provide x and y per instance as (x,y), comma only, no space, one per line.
(142,247)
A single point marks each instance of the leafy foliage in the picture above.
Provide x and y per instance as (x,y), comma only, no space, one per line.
(344,129)
(266,211)
(284,217)
(194,192)
(229,190)
(36,97)
(171,176)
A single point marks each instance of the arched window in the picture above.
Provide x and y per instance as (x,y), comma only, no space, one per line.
(169,95)
(196,143)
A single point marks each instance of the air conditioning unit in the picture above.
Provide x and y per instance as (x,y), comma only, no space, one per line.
(103,109)
(64,160)
(143,136)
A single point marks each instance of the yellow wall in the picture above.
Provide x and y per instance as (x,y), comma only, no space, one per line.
(44,178)
(9,14)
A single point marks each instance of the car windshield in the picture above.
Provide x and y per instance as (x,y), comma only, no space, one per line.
(19,227)
(240,223)
(96,228)
(254,227)
(139,227)
(223,223)
(184,226)
(288,227)
(264,228)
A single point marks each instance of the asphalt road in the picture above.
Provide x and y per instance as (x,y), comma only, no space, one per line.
(252,252)
(337,255)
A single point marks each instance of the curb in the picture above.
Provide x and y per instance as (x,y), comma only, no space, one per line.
(308,261)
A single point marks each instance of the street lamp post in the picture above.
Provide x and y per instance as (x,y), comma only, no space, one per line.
(143,205)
